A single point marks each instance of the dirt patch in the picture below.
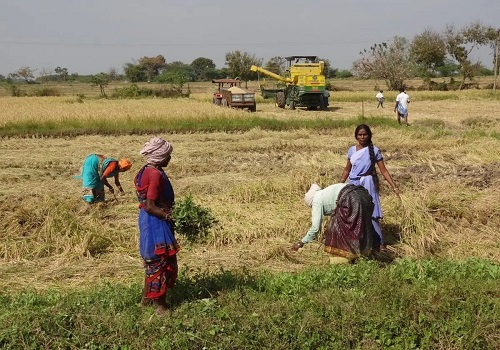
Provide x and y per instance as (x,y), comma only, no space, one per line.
(480,177)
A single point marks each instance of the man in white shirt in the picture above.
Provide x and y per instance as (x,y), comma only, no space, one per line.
(380,99)
(401,107)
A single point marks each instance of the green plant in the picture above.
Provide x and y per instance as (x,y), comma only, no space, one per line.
(192,220)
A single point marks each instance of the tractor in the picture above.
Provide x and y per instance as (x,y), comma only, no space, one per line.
(304,83)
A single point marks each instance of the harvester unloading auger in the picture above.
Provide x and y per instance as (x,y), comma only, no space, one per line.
(304,83)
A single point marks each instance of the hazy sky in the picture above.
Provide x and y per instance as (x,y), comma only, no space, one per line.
(91,36)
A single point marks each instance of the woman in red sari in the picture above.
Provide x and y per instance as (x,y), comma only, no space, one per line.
(157,243)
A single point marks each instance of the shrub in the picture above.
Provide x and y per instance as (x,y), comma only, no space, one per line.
(192,220)
(16,91)
(47,91)
(132,91)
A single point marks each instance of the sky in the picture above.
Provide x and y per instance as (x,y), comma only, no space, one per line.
(92,36)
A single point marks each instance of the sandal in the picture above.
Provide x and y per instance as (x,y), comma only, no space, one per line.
(297,246)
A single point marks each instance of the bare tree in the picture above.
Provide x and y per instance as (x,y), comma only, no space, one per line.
(45,75)
(389,61)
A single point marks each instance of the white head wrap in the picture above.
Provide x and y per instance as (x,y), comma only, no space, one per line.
(308,198)
(156,150)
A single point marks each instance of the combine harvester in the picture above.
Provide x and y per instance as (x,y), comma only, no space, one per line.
(304,83)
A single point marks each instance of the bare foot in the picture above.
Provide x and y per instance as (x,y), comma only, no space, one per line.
(146,302)
(161,310)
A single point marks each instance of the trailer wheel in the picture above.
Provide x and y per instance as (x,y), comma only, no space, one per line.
(253,108)
(224,102)
(280,99)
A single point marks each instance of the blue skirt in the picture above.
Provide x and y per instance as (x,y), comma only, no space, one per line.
(157,239)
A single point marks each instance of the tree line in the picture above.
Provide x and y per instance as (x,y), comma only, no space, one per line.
(430,54)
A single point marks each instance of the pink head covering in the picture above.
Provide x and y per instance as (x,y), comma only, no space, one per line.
(156,150)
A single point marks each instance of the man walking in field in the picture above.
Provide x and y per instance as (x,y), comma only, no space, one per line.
(401,107)
(380,98)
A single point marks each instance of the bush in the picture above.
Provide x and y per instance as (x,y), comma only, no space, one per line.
(135,91)
(46,91)
(16,91)
(192,220)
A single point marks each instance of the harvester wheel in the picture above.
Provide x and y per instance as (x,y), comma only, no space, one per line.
(292,105)
(280,99)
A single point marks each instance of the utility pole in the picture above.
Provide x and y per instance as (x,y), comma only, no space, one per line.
(496,61)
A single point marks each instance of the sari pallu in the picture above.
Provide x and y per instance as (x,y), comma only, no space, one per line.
(350,231)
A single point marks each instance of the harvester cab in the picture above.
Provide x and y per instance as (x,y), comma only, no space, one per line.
(304,82)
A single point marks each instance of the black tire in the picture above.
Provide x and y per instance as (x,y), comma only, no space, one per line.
(280,99)
(216,101)
(253,108)
(292,105)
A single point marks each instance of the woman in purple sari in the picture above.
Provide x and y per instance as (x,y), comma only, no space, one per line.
(360,170)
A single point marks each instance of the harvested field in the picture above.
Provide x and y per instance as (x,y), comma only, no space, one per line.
(447,165)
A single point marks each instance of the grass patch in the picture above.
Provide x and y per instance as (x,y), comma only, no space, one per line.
(75,127)
(407,305)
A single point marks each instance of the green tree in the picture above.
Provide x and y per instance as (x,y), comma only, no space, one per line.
(389,61)
(239,64)
(276,65)
(448,69)
(429,51)
(203,69)
(101,80)
(62,72)
(135,72)
(328,71)
(460,43)
(152,65)
(342,73)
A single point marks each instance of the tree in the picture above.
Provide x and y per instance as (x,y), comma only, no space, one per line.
(342,73)
(24,73)
(62,72)
(202,69)
(389,61)
(135,72)
(45,75)
(239,64)
(152,65)
(101,80)
(460,43)
(276,65)
(429,51)
(328,71)
(113,74)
